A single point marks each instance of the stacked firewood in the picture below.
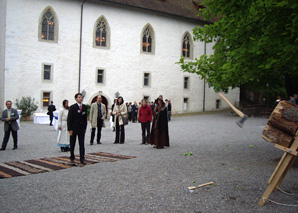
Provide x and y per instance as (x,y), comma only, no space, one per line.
(282,124)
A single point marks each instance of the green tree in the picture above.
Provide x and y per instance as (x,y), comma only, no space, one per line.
(255,43)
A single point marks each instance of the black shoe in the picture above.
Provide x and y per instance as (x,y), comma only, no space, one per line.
(98,143)
(114,129)
(14,148)
(2,149)
(83,162)
(51,124)
(91,144)
(72,161)
(116,142)
(142,143)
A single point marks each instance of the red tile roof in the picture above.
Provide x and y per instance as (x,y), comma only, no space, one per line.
(183,8)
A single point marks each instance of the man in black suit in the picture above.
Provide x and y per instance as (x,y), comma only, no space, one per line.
(51,109)
(77,124)
(10,117)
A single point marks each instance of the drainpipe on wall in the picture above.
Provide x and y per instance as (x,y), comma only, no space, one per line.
(204,89)
(80,53)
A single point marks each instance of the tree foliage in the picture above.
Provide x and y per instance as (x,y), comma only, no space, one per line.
(255,42)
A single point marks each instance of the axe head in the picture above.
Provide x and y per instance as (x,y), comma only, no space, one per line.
(241,121)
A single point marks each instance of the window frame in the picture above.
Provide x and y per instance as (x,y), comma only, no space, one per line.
(43,71)
(148,98)
(56,25)
(191,45)
(108,33)
(188,82)
(103,78)
(50,98)
(187,102)
(149,80)
(218,104)
(152,39)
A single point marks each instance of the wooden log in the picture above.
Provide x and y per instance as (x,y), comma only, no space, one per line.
(282,124)
(274,135)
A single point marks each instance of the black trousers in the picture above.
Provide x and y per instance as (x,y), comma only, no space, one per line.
(51,118)
(129,116)
(120,133)
(99,127)
(145,128)
(134,116)
(81,137)
(6,137)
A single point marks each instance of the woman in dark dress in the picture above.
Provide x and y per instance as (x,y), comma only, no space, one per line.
(159,136)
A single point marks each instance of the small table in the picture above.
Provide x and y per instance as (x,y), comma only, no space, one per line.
(41,118)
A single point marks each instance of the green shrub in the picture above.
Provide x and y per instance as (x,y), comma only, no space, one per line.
(27,105)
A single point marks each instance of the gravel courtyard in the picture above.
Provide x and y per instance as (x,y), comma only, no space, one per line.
(238,161)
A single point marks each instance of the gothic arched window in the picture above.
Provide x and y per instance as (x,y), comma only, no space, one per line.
(48,26)
(147,39)
(187,45)
(101,33)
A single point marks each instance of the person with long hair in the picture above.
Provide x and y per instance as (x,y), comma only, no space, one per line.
(159,136)
(113,116)
(119,111)
(63,136)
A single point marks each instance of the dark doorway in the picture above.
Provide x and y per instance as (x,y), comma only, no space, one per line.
(104,101)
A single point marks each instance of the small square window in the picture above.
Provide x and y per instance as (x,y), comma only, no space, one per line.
(100,76)
(217,104)
(186,82)
(47,72)
(46,99)
(146,79)
(185,104)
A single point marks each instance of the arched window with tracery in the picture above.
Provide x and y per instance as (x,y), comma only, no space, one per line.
(147,39)
(48,26)
(101,33)
(187,45)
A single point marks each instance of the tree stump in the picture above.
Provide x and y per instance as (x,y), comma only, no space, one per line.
(282,124)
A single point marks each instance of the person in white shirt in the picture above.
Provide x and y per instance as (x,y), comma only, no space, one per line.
(63,135)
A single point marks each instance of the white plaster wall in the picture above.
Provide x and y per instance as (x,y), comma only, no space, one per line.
(2,51)
(25,54)
(123,63)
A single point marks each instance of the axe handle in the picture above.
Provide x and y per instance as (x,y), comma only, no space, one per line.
(199,186)
(231,105)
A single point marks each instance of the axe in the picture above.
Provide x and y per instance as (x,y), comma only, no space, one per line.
(238,112)
(191,188)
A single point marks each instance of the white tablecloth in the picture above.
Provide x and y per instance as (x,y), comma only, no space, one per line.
(55,119)
(19,120)
(41,118)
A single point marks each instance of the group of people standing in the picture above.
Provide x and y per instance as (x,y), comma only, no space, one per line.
(72,123)
(133,110)
(73,120)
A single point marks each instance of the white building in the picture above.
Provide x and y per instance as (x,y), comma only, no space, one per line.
(51,49)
